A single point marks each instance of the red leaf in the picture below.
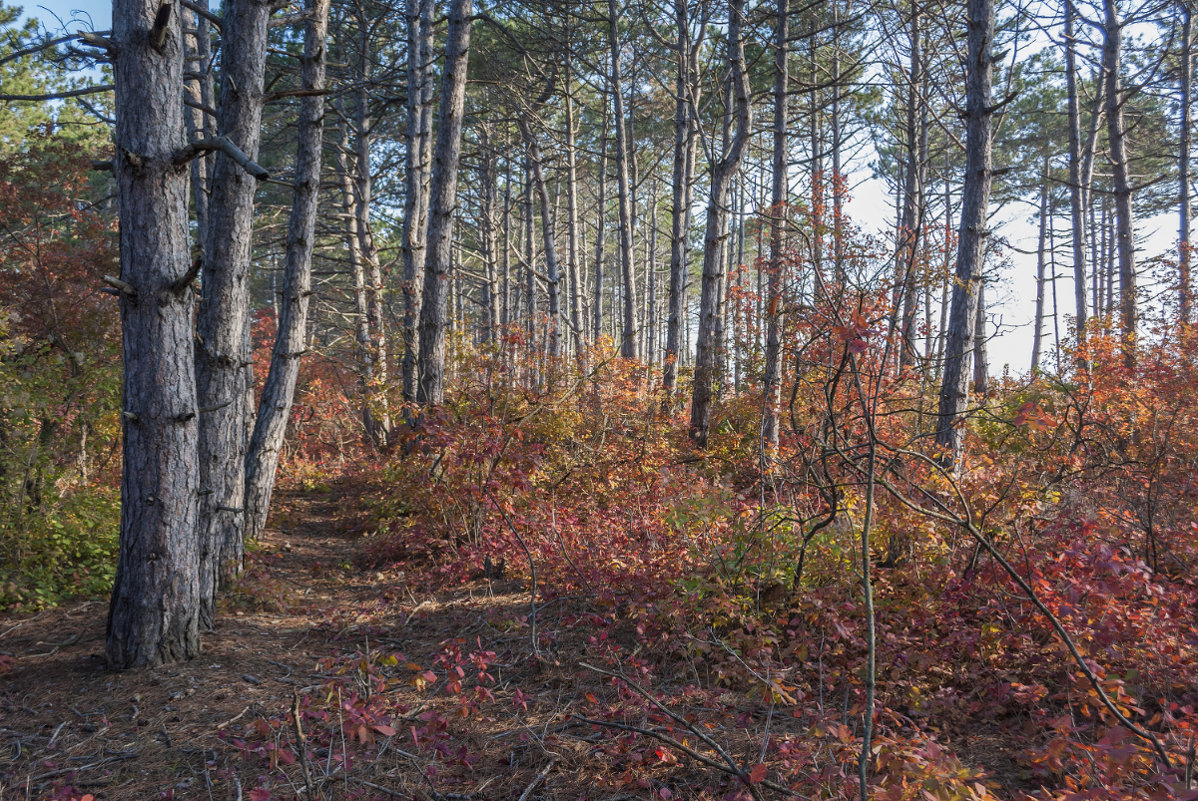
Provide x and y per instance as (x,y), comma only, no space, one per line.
(757,773)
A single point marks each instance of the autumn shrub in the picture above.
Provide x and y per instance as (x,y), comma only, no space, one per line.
(59,382)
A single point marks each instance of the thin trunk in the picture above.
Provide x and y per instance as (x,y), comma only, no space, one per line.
(573,266)
(911,227)
(200,124)
(379,417)
(488,201)
(419,143)
(971,236)
(1183,164)
(291,342)
(353,243)
(443,199)
(1038,332)
(1112,55)
(680,210)
(981,362)
(1077,192)
(837,177)
(628,347)
(774,310)
(601,231)
(723,170)
(552,271)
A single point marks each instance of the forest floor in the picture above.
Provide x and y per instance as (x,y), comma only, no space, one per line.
(308,622)
(71,727)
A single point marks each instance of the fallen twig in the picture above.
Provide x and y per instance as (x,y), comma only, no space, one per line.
(537,780)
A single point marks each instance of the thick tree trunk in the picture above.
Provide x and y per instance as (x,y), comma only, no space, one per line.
(1112,58)
(223,359)
(262,460)
(442,204)
(771,381)
(971,236)
(724,169)
(628,341)
(418,140)
(154,612)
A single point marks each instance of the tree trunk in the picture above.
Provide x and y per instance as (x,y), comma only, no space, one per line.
(442,203)
(601,231)
(1038,327)
(488,201)
(153,616)
(772,384)
(223,358)
(552,270)
(911,227)
(1112,56)
(1077,192)
(680,212)
(838,182)
(357,264)
(981,362)
(971,236)
(200,124)
(418,140)
(573,267)
(724,169)
(378,415)
(262,460)
(628,347)
(1183,164)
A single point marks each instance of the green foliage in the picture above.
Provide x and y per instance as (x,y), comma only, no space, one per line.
(67,550)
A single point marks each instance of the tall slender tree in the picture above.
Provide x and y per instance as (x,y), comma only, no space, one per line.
(223,367)
(972,233)
(724,168)
(278,393)
(442,204)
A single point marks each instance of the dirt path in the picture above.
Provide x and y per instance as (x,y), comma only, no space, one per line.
(405,693)
(66,722)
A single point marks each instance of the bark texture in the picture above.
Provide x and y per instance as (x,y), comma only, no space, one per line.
(724,169)
(419,144)
(154,612)
(262,460)
(778,200)
(224,381)
(443,199)
(1112,57)
(628,343)
(971,235)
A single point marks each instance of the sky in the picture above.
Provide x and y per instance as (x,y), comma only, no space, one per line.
(1011,295)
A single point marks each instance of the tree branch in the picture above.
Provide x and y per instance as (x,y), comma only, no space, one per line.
(225,145)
